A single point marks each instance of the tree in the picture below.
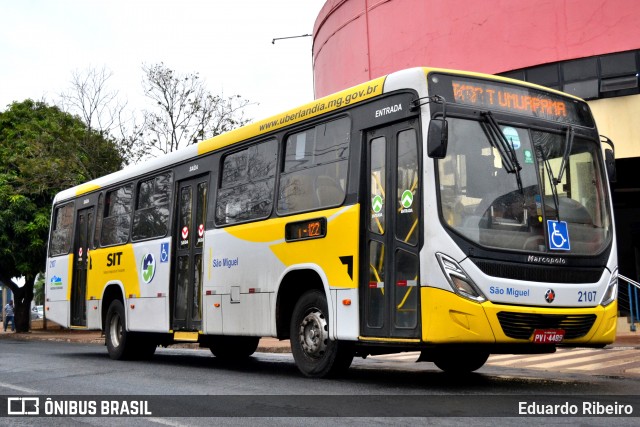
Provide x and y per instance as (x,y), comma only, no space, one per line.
(102,111)
(90,97)
(38,289)
(42,151)
(186,111)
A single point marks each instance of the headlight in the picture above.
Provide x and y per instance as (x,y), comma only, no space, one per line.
(612,290)
(460,282)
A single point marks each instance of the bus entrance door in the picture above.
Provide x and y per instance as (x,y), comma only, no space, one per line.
(390,287)
(84,225)
(189,240)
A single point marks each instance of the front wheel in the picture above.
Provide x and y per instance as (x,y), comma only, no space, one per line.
(315,354)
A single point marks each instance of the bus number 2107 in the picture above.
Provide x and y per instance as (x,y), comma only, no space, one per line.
(587,296)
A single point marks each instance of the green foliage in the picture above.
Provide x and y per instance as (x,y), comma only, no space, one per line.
(38,290)
(42,150)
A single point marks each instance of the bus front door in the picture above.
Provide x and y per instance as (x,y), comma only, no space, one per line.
(84,225)
(390,288)
(189,240)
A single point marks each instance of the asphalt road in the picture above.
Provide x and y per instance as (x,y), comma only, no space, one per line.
(183,382)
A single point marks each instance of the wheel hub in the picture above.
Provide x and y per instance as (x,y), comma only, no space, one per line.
(313,334)
(115,330)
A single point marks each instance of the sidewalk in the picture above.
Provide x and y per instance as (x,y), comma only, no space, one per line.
(54,332)
(57,333)
(627,339)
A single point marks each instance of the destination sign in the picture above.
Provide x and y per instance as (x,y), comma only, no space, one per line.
(304,230)
(506,97)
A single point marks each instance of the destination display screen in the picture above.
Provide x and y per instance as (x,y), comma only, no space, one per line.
(304,230)
(489,95)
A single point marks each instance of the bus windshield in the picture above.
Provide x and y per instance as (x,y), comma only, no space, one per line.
(559,180)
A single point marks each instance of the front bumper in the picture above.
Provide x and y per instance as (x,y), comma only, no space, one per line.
(450,319)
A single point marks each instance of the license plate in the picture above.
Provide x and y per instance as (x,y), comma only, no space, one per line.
(547,336)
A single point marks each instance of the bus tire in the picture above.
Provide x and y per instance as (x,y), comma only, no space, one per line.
(118,339)
(461,362)
(233,348)
(316,355)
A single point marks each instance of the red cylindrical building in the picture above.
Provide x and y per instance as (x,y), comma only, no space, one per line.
(357,40)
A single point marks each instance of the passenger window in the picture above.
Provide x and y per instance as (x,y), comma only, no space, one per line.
(234,169)
(117,216)
(151,218)
(61,233)
(247,184)
(315,168)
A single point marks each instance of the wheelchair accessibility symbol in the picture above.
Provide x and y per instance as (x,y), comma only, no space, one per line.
(164,252)
(558,235)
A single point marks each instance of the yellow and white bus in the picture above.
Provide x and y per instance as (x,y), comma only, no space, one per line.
(451,213)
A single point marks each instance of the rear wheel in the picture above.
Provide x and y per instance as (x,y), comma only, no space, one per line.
(233,348)
(116,335)
(122,344)
(315,354)
(461,363)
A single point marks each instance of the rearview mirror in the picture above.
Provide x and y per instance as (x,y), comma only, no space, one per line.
(610,164)
(609,158)
(438,138)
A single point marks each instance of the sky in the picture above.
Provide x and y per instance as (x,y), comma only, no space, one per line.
(228,42)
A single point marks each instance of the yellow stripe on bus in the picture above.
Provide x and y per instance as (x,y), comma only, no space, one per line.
(86,188)
(113,264)
(70,276)
(320,106)
(341,240)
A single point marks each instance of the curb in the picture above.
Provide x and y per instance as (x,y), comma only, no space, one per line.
(274,349)
(266,345)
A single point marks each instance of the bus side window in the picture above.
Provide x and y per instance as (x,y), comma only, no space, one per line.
(117,216)
(315,167)
(151,218)
(247,184)
(61,230)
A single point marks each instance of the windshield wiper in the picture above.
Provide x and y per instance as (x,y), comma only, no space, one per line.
(552,181)
(504,147)
(568,143)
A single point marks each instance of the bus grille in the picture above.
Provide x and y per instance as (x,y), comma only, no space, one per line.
(539,273)
(522,325)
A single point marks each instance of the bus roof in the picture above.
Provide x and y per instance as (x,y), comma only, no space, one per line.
(409,78)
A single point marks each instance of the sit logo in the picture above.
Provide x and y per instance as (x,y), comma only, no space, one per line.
(148,268)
